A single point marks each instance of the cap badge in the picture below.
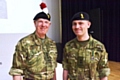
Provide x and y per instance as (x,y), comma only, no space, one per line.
(48,15)
(81,15)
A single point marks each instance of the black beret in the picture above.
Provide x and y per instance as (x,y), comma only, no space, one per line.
(80,16)
(42,15)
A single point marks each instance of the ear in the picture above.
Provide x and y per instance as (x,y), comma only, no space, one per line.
(89,24)
(34,22)
(50,23)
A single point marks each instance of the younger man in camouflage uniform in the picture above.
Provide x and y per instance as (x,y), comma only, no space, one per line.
(35,55)
(85,58)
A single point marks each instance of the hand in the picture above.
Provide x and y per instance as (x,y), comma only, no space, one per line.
(17,77)
(104,78)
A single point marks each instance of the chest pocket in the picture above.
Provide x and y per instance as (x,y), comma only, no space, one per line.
(92,55)
(72,60)
(88,56)
(34,55)
(52,52)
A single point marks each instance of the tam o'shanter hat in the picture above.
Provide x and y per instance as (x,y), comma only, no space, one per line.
(44,14)
(80,16)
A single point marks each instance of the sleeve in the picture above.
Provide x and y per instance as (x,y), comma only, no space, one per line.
(65,60)
(18,61)
(103,66)
(52,56)
(56,55)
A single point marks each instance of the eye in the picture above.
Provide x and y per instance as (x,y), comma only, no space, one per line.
(80,23)
(40,21)
(46,22)
(73,24)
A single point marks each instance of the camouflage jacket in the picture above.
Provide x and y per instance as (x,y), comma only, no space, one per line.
(85,63)
(34,59)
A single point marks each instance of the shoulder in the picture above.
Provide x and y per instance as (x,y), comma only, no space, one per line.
(49,40)
(27,39)
(97,44)
(71,43)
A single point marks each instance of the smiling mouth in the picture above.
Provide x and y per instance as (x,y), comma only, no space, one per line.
(78,31)
(42,29)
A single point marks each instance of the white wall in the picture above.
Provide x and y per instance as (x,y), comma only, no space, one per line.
(17,23)
(20,14)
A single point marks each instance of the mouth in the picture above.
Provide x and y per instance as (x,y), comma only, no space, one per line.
(42,29)
(78,31)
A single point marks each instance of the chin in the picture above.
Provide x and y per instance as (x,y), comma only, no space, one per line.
(42,32)
(79,34)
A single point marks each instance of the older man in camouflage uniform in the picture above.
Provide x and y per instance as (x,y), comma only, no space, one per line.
(85,58)
(35,55)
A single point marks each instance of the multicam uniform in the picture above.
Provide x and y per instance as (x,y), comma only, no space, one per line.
(85,60)
(35,58)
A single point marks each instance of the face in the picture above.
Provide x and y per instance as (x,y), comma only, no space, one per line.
(42,26)
(80,27)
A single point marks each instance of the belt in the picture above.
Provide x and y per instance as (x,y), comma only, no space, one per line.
(28,79)
(33,79)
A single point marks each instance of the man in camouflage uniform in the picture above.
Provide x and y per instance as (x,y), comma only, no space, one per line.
(35,55)
(85,58)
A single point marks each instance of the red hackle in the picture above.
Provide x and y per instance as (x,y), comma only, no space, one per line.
(43,5)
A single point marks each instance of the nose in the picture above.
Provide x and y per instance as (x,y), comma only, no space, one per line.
(43,24)
(77,26)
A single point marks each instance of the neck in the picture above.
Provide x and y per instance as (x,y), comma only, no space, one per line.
(83,38)
(40,35)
